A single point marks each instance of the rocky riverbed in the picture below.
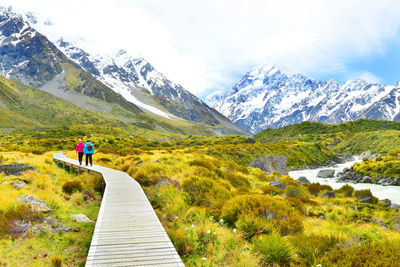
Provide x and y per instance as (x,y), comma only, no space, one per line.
(383,189)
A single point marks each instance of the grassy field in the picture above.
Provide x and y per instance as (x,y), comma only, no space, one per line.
(39,245)
(216,210)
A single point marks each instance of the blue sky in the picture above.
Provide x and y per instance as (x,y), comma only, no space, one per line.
(208,45)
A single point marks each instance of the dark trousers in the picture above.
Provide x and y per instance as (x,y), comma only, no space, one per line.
(80,155)
(89,158)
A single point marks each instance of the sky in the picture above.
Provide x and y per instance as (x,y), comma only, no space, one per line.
(208,45)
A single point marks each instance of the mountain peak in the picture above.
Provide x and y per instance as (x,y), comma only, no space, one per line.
(267,98)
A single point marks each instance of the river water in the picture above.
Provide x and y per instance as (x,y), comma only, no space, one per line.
(381,192)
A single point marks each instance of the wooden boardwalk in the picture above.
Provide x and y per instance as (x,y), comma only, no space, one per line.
(128,231)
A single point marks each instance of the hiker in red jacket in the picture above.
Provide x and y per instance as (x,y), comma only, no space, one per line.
(79,150)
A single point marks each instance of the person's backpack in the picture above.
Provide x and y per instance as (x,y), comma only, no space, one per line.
(89,147)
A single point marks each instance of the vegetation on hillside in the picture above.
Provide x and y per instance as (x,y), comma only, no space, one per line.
(219,212)
(29,238)
(353,137)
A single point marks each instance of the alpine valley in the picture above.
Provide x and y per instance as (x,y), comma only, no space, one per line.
(267,97)
(224,198)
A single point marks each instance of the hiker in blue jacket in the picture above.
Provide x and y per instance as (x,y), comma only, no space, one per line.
(88,150)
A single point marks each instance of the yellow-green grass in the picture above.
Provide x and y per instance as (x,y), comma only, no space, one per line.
(46,184)
(191,190)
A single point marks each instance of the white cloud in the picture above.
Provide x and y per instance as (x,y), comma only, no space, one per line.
(366,76)
(205,45)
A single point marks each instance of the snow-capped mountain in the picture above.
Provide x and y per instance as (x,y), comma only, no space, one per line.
(267,97)
(135,79)
(105,83)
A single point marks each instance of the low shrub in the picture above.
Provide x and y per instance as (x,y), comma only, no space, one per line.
(252,226)
(236,180)
(347,190)
(201,163)
(205,191)
(274,249)
(14,213)
(316,188)
(360,194)
(275,211)
(381,253)
(271,190)
(294,191)
(72,187)
(311,247)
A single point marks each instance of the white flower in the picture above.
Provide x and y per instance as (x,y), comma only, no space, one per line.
(204,258)
(208,231)
(214,233)
(221,221)
(176,217)
(186,228)
(192,225)
(234,230)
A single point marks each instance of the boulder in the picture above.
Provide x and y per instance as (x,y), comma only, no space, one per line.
(366,200)
(329,195)
(35,203)
(278,184)
(15,168)
(366,179)
(346,170)
(81,218)
(271,163)
(343,157)
(303,180)
(18,185)
(326,173)
(387,202)
(251,140)
(394,206)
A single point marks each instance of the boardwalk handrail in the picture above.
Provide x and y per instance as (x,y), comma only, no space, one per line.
(128,231)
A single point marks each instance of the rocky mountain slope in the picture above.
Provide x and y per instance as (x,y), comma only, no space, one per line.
(103,85)
(136,80)
(267,97)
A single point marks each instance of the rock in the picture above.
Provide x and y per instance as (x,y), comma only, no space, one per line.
(35,203)
(329,195)
(81,218)
(387,202)
(303,180)
(366,154)
(366,179)
(381,223)
(394,206)
(278,184)
(15,168)
(251,140)
(326,173)
(164,181)
(19,228)
(271,163)
(346,170)
(354,207)
(18,185)
(366,200)
(343,157)
(322,217)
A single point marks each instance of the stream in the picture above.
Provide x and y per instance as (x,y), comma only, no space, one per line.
(381,192)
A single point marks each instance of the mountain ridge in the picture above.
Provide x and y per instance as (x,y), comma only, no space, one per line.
(267,97)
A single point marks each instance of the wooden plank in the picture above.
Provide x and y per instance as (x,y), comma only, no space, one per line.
(128,231)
